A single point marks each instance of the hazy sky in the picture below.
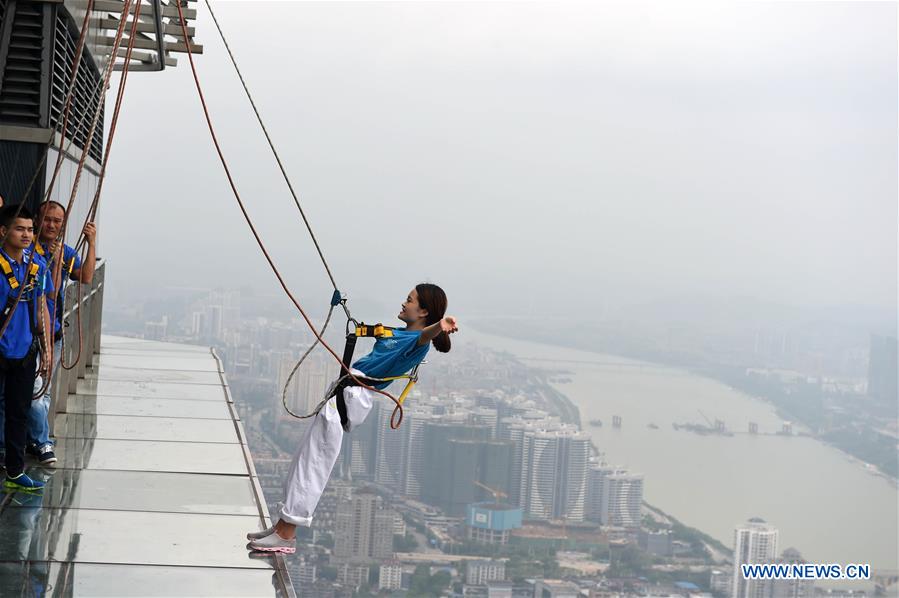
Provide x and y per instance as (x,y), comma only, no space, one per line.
(544,157)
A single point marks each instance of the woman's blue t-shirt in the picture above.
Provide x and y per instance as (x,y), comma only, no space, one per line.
(393,356)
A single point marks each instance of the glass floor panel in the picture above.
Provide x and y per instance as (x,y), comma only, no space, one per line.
(149,375)
(36,533)
(141,491)
(149,455)
(119,388)
(152,494)
(83,580)
(146,407)
(200,363)
(109,344)
(126,427)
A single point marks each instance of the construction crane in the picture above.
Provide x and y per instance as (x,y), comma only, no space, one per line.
(707,420)
(496,493)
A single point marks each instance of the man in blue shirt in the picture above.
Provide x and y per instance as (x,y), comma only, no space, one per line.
(24,281)
(50,220)
(51,215)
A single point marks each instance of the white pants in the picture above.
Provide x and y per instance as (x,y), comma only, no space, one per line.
(317,454)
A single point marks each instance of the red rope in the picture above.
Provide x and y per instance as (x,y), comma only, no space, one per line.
(76,64)
(91,213)
(65,118)
(398,409)
(126,9)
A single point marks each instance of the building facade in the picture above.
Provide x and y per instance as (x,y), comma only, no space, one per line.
(479,573)
(390,576)
(754,542)
(364,529)
(554,474)
(622,500)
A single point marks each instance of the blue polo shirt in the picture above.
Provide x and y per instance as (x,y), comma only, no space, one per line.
(17,338)
(68,266)
(393,356)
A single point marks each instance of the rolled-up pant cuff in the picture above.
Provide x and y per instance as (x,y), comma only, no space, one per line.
(293,520)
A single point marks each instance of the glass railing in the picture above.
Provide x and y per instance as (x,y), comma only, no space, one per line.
(90,307)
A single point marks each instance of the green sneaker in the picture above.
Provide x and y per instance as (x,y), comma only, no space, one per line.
(22,483)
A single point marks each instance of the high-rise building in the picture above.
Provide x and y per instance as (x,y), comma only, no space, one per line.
(302,573)
(308,385)
(491,523)
(596,478)
(790,588)
(415,465)
(622,500)
(215,318)
(364,529)
(353,575)
(554,474)
(720,583)
(336,493)
(754,542)
(197,324)
(399,462)
(480,572)
(390,576)
(513,429)
(485,416)
(157,330)
(460,456)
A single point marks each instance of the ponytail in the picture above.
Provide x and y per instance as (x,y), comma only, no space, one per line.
(442,342)
(433,299)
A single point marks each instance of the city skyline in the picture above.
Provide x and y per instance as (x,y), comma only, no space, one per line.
(466,427)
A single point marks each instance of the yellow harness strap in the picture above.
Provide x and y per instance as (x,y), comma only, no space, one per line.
(71,265)
(11,278)
(381,331)
(7,271)
(377,331)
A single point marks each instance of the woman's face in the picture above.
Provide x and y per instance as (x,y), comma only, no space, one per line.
(411,311)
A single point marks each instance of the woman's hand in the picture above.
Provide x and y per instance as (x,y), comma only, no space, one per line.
(448,325)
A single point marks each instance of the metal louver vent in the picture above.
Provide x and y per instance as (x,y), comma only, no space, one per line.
(86,93)
(20,94)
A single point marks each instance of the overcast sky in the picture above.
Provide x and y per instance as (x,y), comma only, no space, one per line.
(544,158)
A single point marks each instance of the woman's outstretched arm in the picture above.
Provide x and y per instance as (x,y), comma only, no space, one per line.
(429,333)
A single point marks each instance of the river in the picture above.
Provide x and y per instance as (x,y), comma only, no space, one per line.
(825,504)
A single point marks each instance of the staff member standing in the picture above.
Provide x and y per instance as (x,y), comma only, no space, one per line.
(66,265)
(28,319)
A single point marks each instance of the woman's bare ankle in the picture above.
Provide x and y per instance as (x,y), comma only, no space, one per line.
(286,531)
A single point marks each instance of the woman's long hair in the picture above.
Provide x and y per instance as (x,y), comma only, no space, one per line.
(433,299)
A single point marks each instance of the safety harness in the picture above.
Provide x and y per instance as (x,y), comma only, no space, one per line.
(365,331)
(67,268)
(12,300)
(30,278)
(354,331)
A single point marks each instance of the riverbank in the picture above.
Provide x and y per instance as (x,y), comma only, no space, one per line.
(823,503)
(800,402)
(568,412)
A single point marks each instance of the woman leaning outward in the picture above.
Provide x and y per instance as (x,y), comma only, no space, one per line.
(423,313)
